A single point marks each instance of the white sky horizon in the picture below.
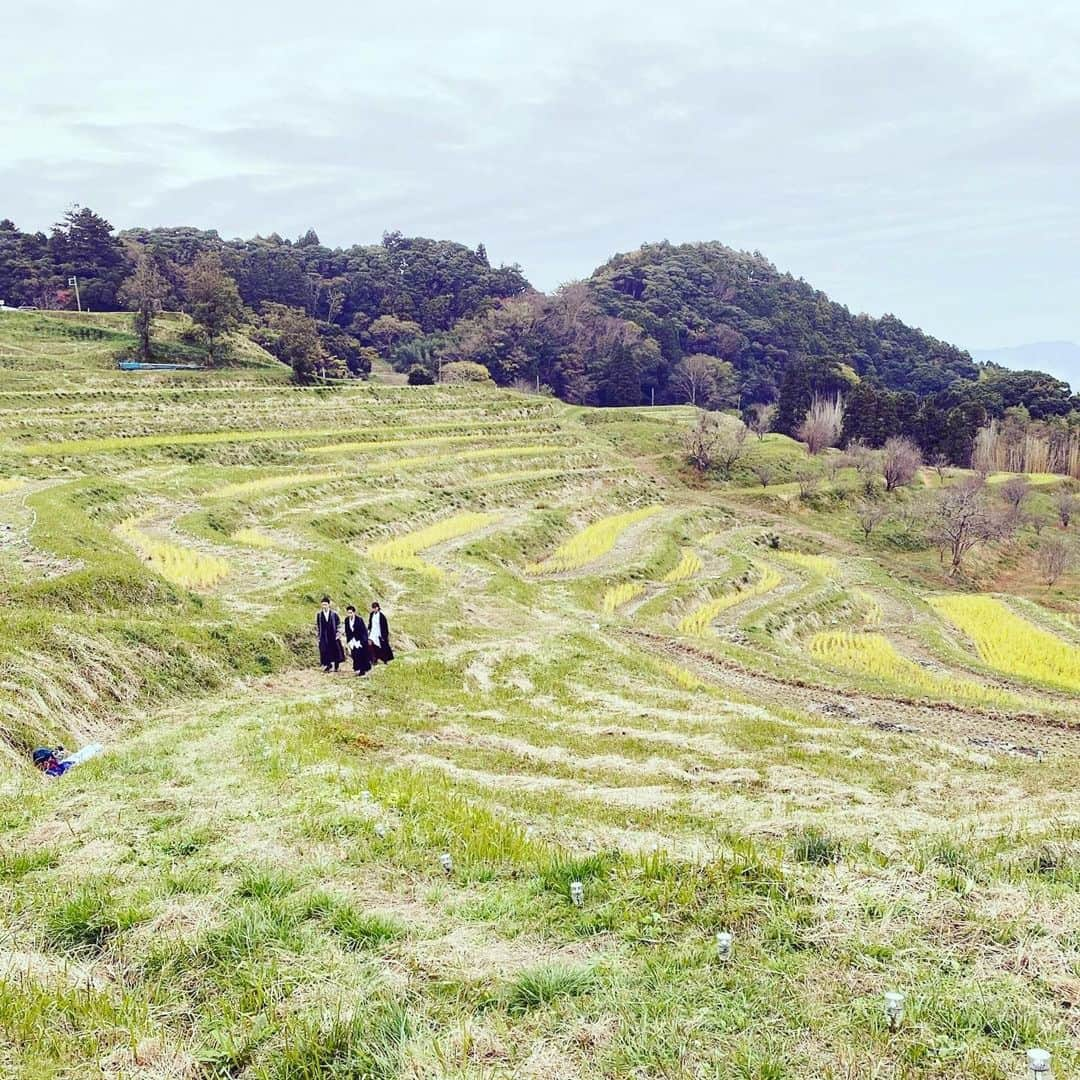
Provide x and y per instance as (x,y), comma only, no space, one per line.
(921,161)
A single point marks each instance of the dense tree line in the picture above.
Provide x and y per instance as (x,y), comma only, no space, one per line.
(701,323)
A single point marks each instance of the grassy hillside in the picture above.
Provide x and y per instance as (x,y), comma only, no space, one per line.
(709,705)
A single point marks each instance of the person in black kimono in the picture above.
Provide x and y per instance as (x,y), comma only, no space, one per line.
(379,637)
(327,625)
(356,641)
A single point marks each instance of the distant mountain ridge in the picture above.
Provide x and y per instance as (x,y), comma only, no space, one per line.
(1059,358)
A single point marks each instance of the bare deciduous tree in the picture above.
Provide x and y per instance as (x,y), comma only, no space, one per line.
(701,441)
(692,379)
(808,481)
(821,426)
(1054,557)
(900,462)
(761,419)
(940,465)
(731,445)
(1038,522)
(1067,505)
(870,515)
(866,462)
(1015,490)
(701,379)
(961,518)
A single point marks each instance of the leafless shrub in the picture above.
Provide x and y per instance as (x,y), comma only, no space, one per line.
(1067,505)
(866,462)
(900,462)
(700,442)
(808,480)
(822,424)
(731,445)
(715,443)
(761,419)
(764,473)
(870,515)
(1038,522)
(1015,490)
(1054,557)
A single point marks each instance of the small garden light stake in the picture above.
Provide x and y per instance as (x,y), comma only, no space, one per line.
(447,863)
(723,945)
(380,830)
(577,893)
(1039,1064)
(894,1008)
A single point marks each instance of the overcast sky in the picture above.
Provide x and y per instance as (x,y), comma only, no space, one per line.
(924,162)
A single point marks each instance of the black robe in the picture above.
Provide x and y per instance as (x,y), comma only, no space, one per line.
(327,625)
(382,651)
(356,630)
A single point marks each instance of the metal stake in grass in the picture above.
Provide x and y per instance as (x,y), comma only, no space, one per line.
(894,1008)
(723,945)
(447,863)
(1039,1064)
(577,893)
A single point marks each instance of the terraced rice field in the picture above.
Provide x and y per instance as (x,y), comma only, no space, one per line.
(713,716)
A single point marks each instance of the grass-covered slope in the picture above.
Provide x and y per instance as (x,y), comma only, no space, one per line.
(712,708)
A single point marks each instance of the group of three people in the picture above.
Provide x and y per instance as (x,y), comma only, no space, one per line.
(365,643)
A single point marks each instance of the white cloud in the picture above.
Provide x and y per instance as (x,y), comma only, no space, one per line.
(921,160)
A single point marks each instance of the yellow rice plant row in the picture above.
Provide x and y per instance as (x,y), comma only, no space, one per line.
(875,655)
(182,566)
(700,619)
(617,595)
(593,542)
(870,607)
(683,678)
(687,567)
(1010,643)
(403,551)
(821,565)
(252,538)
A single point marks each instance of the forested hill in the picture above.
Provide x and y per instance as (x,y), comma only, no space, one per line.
(667,323)
(710,299)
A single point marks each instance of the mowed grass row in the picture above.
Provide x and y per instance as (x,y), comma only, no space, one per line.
(700,619)
(306,926)
(265,485)
(350,438)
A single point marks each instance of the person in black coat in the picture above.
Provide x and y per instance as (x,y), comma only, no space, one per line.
(327,626)
(356,641)
(379,637)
